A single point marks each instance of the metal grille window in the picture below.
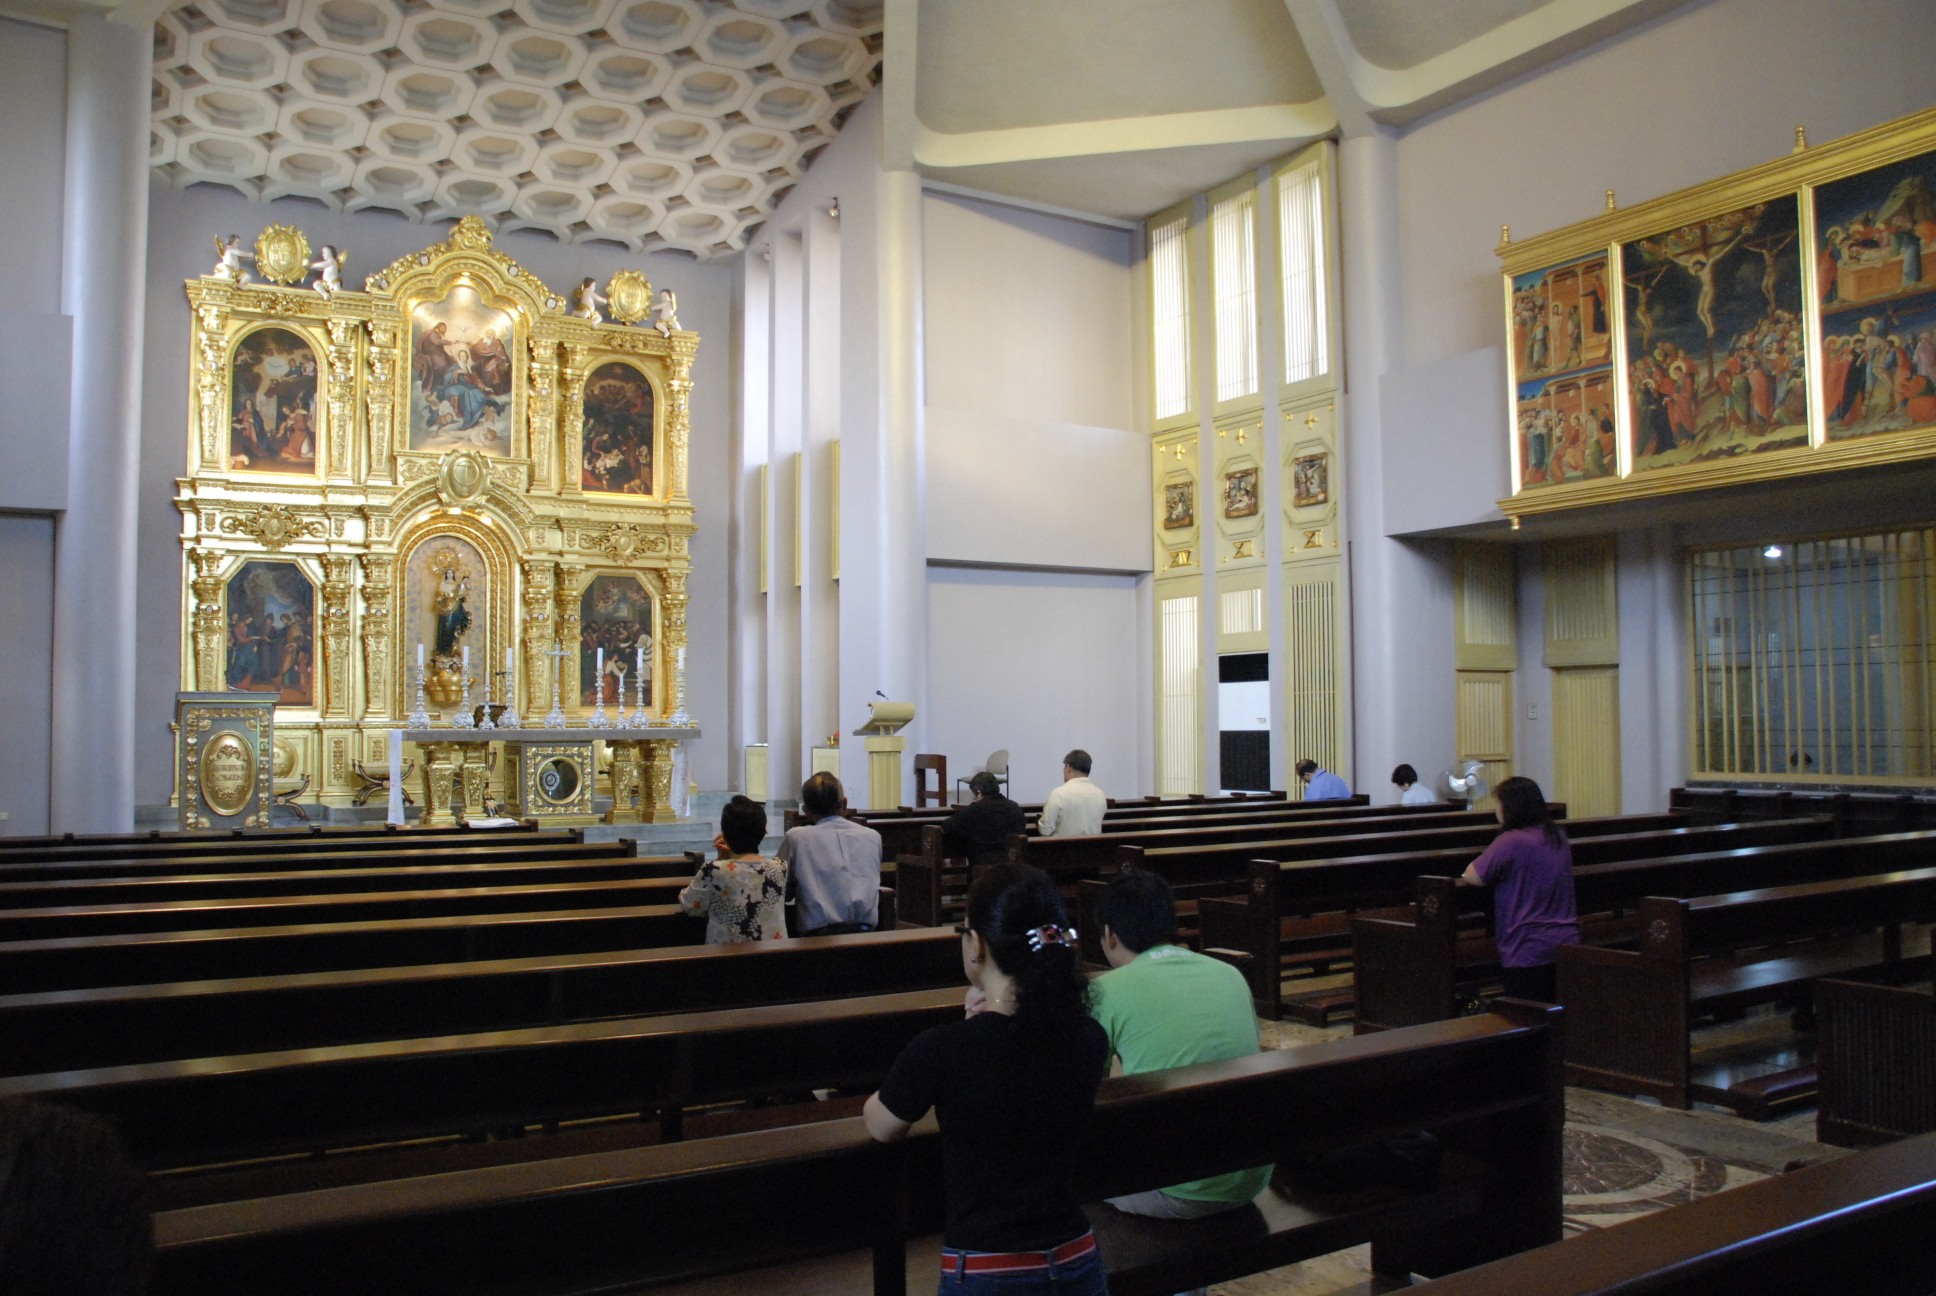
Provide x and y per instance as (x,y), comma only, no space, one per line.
(1816,659)
(1234,277)
(1300,229)
(1170,311)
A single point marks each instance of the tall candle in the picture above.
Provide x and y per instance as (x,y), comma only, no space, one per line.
(509,671)
(641,663)
(465,658)
(601,674)
(419,656)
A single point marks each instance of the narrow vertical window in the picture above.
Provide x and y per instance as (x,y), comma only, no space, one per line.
(1170,286)
(1233,249)
(1300,224)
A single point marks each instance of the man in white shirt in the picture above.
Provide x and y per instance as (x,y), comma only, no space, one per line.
(1075,809)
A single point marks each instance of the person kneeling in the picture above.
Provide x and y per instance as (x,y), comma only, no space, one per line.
(1167,1006)
(741,894)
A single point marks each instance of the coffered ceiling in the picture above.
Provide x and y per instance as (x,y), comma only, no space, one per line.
(681,123)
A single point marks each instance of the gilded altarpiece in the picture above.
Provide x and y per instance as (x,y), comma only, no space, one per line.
(451,461)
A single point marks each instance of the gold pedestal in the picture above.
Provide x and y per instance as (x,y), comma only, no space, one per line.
(641,774)
(884,771)
(454,767)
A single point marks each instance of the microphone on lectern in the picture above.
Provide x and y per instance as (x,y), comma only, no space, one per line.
(882,696)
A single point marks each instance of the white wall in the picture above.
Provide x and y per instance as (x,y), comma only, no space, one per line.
(1037,662)
(180,229)
(26,666)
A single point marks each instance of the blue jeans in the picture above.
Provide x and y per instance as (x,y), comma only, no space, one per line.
(1082,1277)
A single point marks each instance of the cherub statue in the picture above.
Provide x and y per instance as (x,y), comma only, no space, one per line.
(587,301)
(229,257)
(329,271)
(665,312)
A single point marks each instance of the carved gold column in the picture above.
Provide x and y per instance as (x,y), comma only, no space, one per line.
(655,795)
(542,425)
(210,630)
(381,398)
(211,338)
(342,391)
(679,417)
(441,763)
(628,773)
(674,627)
(336,634)
(378,591)
(566,602)
(571,459)
(538,639)
(474,774)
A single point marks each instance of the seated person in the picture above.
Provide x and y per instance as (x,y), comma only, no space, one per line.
(73,1210)
(1321,784)
(981,830)
(1166,1006)
(836,863)
(1405,779)
(1076,807)
(741,894)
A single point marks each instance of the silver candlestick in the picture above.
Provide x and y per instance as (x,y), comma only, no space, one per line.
(509,720)
(639,719)
(555,719)
(484,720)
(419,718)
(679,717)
(598,719)
(463,718)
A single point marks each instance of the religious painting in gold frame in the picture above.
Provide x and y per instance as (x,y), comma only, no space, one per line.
(618,612)
(1561,371)
(271,632)
(447,604)
(463,375)
(619,449)
(1875,286)
(278,395)
(1777,292)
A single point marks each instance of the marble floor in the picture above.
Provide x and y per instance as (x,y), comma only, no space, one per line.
(1623,1158)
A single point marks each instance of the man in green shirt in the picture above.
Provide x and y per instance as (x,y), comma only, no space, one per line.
(1166,1006)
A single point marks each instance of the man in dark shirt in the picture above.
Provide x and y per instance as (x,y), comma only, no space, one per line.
(981,830)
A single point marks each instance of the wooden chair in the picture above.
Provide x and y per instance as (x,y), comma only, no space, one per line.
(997,765)
(924,764)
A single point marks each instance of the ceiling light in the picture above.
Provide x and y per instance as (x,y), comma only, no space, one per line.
(1772,551)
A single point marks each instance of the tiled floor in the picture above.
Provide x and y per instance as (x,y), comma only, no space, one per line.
(1623,1158)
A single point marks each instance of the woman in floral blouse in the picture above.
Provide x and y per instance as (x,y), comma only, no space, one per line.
(742,893)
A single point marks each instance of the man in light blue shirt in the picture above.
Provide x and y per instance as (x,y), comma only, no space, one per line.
(1321,784)
(834,865)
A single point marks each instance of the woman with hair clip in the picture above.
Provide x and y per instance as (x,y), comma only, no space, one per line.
(1013,1085)
(1530,863)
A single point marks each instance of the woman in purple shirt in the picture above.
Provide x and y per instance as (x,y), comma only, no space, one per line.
(1530,867)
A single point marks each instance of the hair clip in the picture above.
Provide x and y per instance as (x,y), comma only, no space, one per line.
(1050,934)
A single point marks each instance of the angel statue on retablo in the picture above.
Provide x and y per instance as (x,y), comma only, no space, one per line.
(665,312)
(229,257)
(586,301)
(328,266)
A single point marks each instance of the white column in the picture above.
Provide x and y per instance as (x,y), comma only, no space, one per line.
(1396,589)
(900,626)
(104,274)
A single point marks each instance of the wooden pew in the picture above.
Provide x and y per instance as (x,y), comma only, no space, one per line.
(84,962)
(1293,905)
(506,869)
(446,852)
(1854,1224)
(1876,1052)
(1487,1086)
(116,1026)
(1629,1011)
(204,1111)
(1856,814)
(1416,964)
(18,850)
(902,833)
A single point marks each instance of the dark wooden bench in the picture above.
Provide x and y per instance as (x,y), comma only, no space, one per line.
(82,962)
(114,1026)
(343,856)
(1853,1224)
(1292,907)
(1856,814)
(902,834)
(296,841)
(1487,1086)
(204,1111)
(1630,1011)
(1418,963)
(1876,1048)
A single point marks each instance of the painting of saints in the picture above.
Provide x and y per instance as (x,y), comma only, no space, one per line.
(615,613)
(1179,505)
(1240,493)
(271,632)
(618,431)
(460,374)
(272,393)
(1715,338)
(1875,274)
(1559,318)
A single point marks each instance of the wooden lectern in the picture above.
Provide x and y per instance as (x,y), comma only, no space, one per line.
(885,720)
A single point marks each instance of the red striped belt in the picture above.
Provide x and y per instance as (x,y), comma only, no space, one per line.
(953,1261)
